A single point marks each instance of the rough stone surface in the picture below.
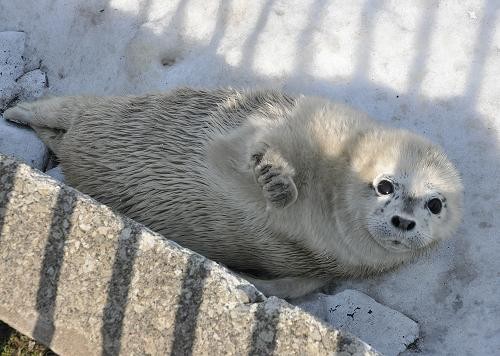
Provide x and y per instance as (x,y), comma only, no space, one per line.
(22,143)
(32,85)
(386,329)
(85,281)
(11,64)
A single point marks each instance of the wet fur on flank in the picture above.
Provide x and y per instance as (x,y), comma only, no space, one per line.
(278,188)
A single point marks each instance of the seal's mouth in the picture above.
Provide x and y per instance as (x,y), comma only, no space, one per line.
(396,246)
(392,243)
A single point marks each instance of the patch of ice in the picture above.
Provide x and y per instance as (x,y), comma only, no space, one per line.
(386,329)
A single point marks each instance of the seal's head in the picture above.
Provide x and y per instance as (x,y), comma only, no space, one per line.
(411,193)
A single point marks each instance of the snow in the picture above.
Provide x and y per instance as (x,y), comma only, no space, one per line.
(432,67)
(15,84)
(11,65)
(22,143)
(385,329)
(32,85)
(56,173)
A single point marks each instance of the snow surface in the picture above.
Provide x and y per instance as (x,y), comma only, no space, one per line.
(56,173)
(22,143)
(32,85)
(11,65)
(429,66)
(16,140)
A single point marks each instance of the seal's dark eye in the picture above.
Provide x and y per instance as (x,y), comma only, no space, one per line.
(385,187)
(435,205)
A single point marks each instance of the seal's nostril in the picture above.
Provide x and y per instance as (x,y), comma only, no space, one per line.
(402,223)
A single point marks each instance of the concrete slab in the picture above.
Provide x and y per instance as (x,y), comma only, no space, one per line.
(86,281)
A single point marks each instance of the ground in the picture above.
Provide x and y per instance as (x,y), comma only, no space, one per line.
(430,66)
(13,343)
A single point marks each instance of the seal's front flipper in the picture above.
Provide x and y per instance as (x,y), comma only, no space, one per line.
(275,176)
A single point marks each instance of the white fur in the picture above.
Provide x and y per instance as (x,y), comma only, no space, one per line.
(278,188)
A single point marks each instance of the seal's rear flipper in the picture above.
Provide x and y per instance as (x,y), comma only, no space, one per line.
(55,113)
(18,115)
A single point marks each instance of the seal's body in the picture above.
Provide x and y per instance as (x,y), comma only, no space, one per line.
(289,191)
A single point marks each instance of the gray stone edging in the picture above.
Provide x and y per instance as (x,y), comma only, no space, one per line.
(85,281)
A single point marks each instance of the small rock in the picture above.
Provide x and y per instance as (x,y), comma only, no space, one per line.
(11,56)
(11,65)
(22,143)
(85,227)
(56,173)
(385,329)
(32,85)
(8,92)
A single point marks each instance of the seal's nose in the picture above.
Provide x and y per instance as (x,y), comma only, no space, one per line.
(402,223)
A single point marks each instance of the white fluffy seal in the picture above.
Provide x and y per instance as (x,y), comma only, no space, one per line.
(291,192)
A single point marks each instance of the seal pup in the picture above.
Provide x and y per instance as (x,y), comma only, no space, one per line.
(290,192)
